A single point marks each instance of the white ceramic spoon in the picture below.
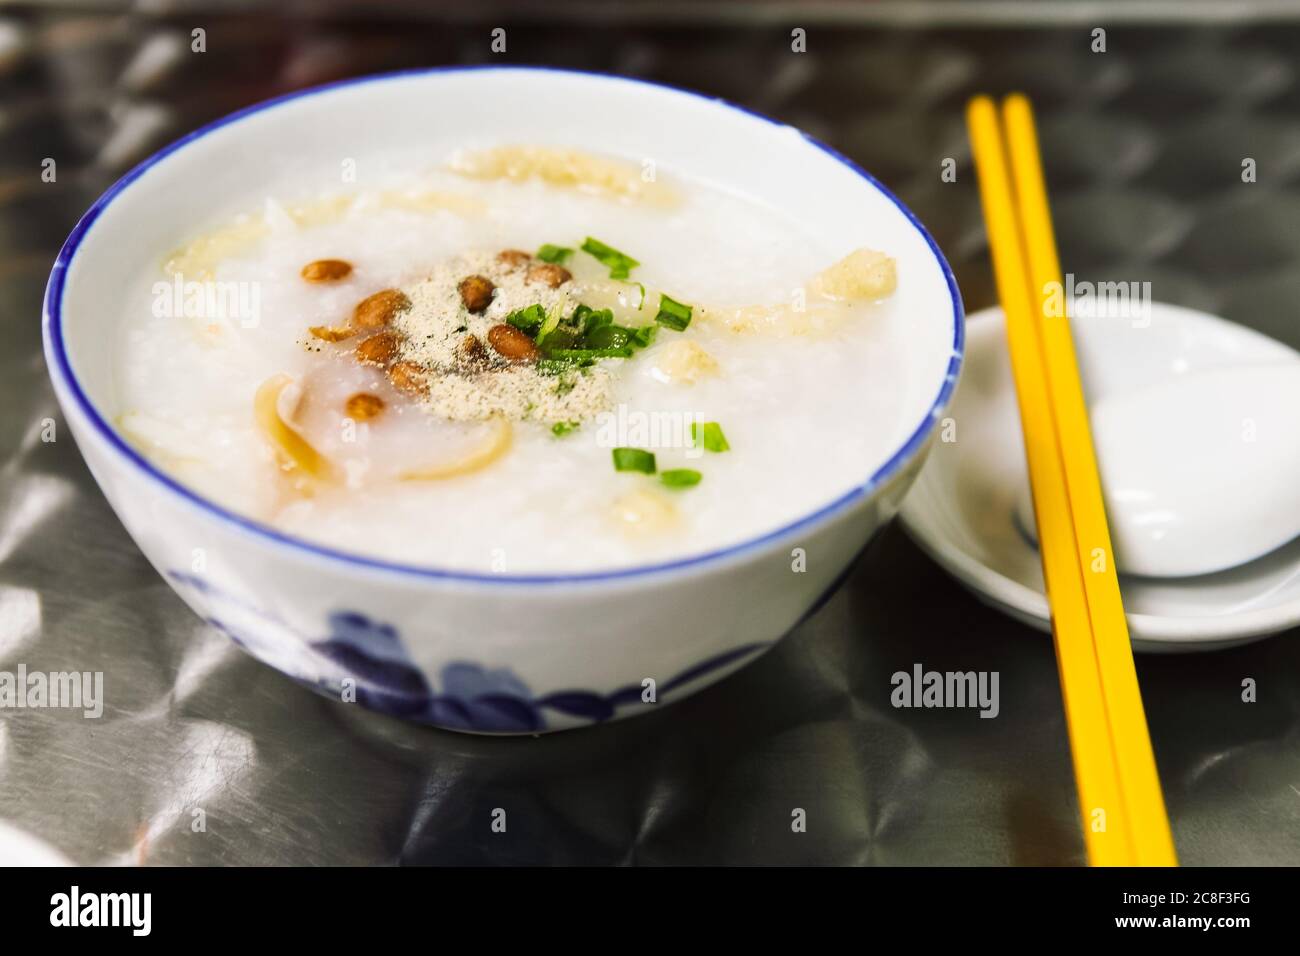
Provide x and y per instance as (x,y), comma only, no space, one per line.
(961,509)
(1200,473)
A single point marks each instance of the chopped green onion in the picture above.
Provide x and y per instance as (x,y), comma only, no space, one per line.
(591,333)
(713,438)
(527,319)
(607,337)
(579,355)
(562,337)
(547,327)
(634,459)
(560,429)
(673,314)
(680,477)
(620,264)
(587,320)
(556,254)
(554,366)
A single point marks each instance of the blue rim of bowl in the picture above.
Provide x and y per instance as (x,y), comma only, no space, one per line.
(55,348)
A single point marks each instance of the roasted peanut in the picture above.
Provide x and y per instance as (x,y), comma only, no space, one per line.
(379,349)
(330,334)
(513,258)
(476,293)
(408,377)
(326,270)
(363,406)
(378,310)
(512,344)
(471,352)
(548,273)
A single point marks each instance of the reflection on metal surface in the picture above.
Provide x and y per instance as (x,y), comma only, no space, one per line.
(26,504)
(20,620)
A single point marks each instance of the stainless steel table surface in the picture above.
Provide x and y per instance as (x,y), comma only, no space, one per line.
(1143,148)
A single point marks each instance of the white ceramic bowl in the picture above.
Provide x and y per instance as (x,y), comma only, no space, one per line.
(492,653)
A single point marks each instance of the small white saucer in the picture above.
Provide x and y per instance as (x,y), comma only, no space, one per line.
(961,509)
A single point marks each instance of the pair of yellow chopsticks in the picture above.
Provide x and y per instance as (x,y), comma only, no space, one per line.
(1122,809)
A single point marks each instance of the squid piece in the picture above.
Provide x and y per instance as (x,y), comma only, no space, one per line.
(297,455)
(493,447)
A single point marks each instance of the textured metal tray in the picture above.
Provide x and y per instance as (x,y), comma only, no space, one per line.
(1143,145)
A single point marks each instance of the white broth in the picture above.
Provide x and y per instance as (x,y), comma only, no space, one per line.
(810,395)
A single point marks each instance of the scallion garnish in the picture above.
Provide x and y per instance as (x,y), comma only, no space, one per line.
(560,429)
(711,435)
(587,320)
(606,337)
(581,355)
(562,337)
(620,264)
(680,477)
(634,459)
(527,319)
(556,254)
(547,327)
(673,314)
(590,334)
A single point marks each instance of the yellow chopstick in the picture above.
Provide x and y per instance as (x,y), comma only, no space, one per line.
(1121,823)
(1153,842)
(1095,773)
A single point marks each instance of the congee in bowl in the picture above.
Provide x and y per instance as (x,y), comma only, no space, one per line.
(516,358)
(501,399)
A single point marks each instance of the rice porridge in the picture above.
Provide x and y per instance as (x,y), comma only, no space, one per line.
(522,360)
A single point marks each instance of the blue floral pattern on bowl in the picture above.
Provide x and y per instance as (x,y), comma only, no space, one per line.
(366,658)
